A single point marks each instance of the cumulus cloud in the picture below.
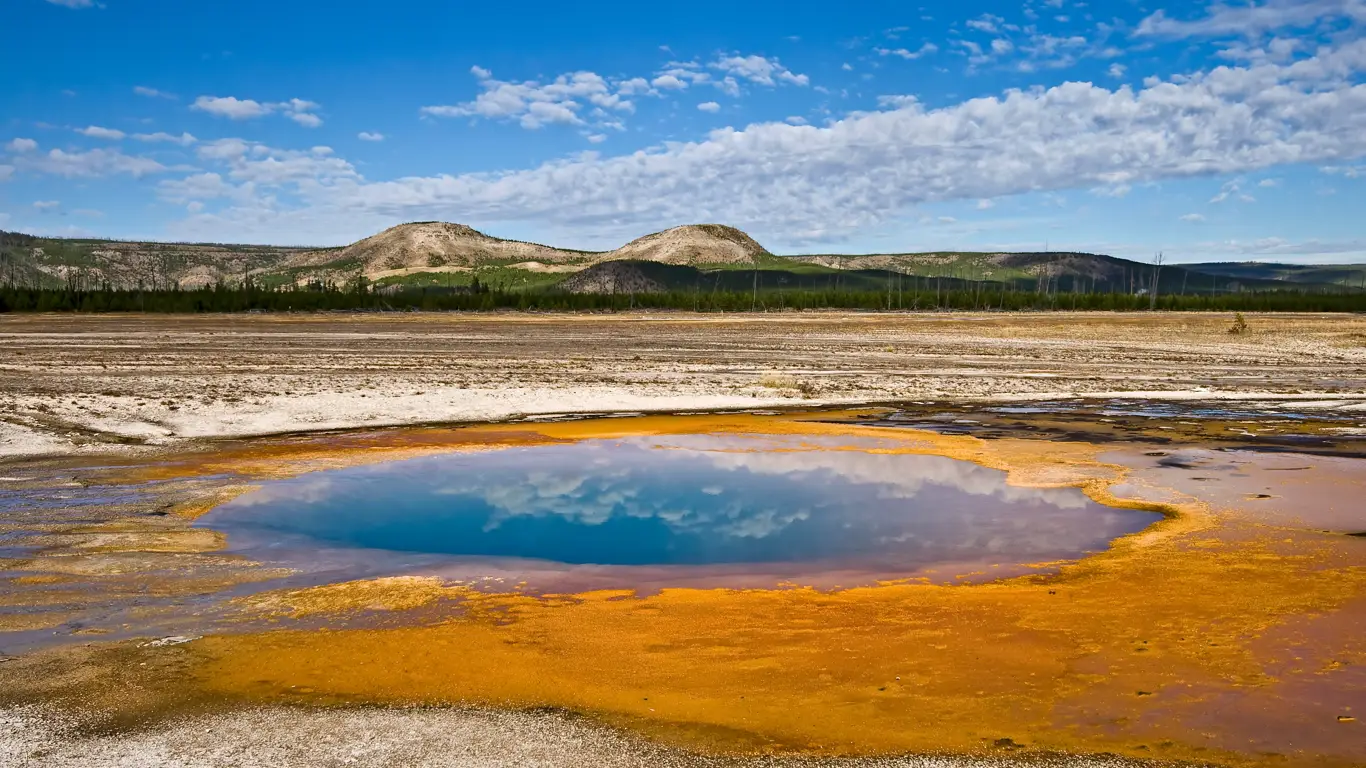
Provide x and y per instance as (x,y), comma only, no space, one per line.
(535,104)
(299,110)
(22,145)
(1116,70)
(96,132)
(709,106)
(759,69)
(230,107)
(368,136)
(822,183)
(183,139)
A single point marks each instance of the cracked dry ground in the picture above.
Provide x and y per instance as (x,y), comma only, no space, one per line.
(69,383)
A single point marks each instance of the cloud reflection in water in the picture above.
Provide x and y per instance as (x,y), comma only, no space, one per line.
(685,500)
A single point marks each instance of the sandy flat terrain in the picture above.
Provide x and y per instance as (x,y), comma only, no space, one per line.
(89,383)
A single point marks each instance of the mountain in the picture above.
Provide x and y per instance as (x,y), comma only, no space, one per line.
(54,262)
(690,258)
(693,244)
(1058,271)
(1347,275)
(426,244)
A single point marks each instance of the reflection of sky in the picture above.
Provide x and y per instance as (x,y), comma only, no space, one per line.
(691,500)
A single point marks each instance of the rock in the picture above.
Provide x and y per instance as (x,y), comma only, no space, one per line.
(172,640)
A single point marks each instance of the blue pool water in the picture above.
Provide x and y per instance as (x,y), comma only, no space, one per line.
(694,500)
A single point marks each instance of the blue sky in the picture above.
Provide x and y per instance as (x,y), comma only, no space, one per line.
(1225,131)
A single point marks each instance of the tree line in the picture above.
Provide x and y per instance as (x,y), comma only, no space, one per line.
(363,297)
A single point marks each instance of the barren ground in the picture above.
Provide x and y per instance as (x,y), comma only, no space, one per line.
(74,384)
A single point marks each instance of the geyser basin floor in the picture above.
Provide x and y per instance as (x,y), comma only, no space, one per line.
(1211,635)
(683,510)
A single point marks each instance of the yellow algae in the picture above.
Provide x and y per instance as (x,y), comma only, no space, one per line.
(393,593)
(138,535)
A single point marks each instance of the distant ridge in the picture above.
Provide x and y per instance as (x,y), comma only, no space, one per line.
(690,258)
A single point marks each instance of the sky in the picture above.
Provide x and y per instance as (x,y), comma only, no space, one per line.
(1227,131)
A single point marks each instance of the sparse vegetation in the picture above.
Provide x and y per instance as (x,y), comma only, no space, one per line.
(1239,326)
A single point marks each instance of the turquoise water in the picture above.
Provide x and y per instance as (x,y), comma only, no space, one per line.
(678,501)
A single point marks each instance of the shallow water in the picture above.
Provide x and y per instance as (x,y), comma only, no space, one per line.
(779,505)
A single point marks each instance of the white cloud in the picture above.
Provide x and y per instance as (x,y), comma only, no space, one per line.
(183,139)
(596,138)
(153,93)
(792,184)
(634,86)
(46,205)
(909,55)
(306,119)
(74,3)
(93,163)
(6,171)
(985,205)
(986,23)
(709,106)
(895,101)
(795,120)
(847,67)
(1001,46)
(669,82)
(1252,19)
(1117,190)
(1116,70)
(758,69)
(96,132)
(22,145)
(535,104)
(1269,183)
(230,107)
(200,186)
(233,108)
(1193,218)
(368,136)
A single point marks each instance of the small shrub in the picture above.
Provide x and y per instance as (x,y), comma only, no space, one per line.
(1239,326)
(778,381)
(788,382)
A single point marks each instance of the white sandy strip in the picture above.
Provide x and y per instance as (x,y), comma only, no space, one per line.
(359,409)
(275,414)
(29,738)
(16,440)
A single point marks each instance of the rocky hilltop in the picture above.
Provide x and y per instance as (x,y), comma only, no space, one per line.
(436,244)
(694,245)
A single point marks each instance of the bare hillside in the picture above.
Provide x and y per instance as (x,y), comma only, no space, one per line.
(434,244)
(612,277)
(692,244)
